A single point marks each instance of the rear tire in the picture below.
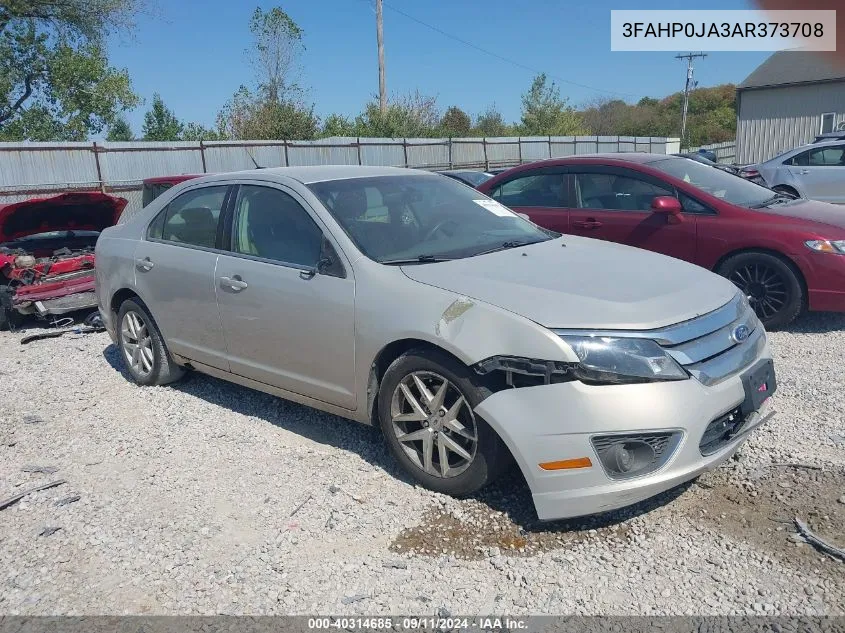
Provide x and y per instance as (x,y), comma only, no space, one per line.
(142,347)
(447,448)
(772,285)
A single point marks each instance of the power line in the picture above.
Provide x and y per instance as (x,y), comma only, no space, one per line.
(502,58)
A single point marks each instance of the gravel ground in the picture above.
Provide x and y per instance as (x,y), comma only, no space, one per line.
(208,498)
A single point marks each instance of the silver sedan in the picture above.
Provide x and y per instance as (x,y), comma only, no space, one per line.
(471,336)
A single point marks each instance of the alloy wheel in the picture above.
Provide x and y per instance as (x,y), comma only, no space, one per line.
(434,424)
(137,343)
(764,286)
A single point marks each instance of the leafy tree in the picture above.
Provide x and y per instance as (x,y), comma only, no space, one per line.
(455,122)
(55,80)
(275,57)
(711,116)
(414,115)
(160,124)
(248,117)
(338,125)
(198,132)
(491,123)
(120,131)
(545,112)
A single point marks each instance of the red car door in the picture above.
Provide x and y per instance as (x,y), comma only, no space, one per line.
(540,194)
(614,204)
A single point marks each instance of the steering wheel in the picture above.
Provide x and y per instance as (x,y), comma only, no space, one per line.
(437,227)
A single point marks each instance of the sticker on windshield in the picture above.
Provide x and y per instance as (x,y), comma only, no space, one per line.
(494,207)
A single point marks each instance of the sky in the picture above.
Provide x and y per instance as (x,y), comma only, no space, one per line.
(192,52)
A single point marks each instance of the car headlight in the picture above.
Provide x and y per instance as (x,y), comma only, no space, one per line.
(609,360)
(827,246)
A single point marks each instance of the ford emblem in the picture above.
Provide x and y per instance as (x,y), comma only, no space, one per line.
(740,333)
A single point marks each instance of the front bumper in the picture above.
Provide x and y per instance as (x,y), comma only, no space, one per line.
(556,422)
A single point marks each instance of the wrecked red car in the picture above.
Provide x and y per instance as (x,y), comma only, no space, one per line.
(47,253)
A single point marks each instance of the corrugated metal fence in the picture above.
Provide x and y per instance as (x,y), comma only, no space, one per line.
(31,169)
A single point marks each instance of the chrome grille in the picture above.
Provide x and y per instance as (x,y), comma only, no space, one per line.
(704,345)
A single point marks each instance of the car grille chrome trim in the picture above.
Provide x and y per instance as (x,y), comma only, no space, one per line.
(675,334)
(704,345)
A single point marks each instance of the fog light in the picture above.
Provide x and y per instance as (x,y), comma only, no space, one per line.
(634,455)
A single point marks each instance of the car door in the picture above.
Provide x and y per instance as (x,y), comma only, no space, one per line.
(614,204)
(286,324)
(541,194)
(820,173)
(174,274)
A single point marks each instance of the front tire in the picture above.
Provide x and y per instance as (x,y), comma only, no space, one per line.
(142,348)
(426,408)
(772,286)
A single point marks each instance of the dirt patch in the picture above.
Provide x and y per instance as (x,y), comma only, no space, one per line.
(758,509)
(761,508)
(472,530)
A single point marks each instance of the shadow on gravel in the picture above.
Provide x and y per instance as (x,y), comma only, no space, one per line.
(817,323)
(503,513)
(323,428)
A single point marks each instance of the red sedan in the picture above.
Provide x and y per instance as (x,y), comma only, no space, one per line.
(787,255)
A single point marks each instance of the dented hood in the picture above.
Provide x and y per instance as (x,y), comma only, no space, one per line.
(80,211)
(575,282)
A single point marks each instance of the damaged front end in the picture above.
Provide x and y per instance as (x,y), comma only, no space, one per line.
(47,253)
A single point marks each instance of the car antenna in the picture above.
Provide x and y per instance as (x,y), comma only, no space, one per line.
(252,158)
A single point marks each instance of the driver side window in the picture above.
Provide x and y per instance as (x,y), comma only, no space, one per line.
(270,224)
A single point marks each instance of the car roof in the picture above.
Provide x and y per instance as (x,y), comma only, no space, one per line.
(322,173)
(628,157)
(172,179)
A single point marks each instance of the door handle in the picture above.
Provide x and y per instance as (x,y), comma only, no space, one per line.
(233,283)
(587,224)
(804,171)
(144,265)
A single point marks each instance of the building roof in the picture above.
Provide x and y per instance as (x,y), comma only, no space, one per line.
(793,67)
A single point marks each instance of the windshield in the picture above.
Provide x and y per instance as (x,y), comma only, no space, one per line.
(716,182)
(394,218)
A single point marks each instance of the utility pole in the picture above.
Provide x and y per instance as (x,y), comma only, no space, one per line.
(382,91)
(687,88)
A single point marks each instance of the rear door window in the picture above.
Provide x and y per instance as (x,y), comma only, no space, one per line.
(533,190)
(191,218)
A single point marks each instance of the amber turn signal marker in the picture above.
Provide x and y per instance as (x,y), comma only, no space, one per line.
(566,464)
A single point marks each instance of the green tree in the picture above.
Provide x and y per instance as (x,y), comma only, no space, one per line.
(198,132)
(276,54)
(160,124)
(120,131)
(412,116)
(250,117)
(455,122)
(491,123)
(338,125)
(55,80)
(545,112)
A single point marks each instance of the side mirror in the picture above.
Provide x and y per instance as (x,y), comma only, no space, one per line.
(524,216)
(669,207)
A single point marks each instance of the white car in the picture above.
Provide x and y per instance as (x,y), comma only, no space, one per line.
(814,171)
(469,335)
